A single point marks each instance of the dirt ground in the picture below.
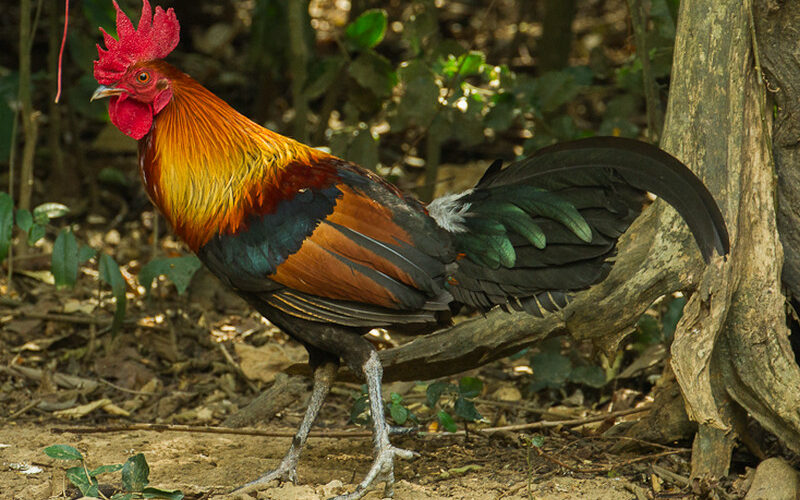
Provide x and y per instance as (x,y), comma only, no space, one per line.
(207,465)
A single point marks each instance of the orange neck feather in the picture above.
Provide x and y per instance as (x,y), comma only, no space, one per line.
(208,167)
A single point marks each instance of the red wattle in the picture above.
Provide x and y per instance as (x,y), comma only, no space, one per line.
(133,118)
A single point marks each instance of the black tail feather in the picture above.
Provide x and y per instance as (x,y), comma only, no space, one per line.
(605,179)
(643,166)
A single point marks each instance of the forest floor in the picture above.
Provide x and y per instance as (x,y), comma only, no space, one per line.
(183,360)
(206,465)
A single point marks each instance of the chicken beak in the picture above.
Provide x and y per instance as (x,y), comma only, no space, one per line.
(103,91)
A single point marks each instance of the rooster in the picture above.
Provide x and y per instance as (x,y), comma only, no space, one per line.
(327,250)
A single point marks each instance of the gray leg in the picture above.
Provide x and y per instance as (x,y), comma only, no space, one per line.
(287,469)
(383,466)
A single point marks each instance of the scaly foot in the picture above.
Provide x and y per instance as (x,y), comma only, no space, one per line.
(284,473)
(382,470)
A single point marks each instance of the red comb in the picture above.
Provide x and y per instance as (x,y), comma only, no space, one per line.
(156,36)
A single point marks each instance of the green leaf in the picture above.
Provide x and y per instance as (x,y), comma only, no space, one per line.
(85,253)
(446,421)
(537,441)
(470,63)
(110,274)
(374,72)
(150,492)
(648,331)
(179,270)
(46,211)
(24,219)
(466,410)
(550,370)
(87,485)
(399,413)
(554,89)
(363,149)
(64,260)
(6,223)
(368,29)
(593,376)
(419,103)
(105,468)
(122,496)
(358,409)
(672,315)
(435,391)
(63,452)
(323,76)
(36,233)
(113,176)
(501,115)
(469,387)
(135,473)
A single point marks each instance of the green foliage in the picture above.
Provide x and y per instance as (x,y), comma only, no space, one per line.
(63,452)
(553,370)
(359,411)
(398,411)
(135,473)
(654,330)
(65,260)
(179,270)
(111,275)
(468,388)
(395,407)
(6,223)
(135,476)
(9,89)
(114,177)
(367,30)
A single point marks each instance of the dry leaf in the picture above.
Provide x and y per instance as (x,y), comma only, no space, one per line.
(263,363)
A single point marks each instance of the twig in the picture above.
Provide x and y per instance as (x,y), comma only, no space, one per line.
(60,379)
(609,467)
(570,422)
(24,409)
(206,430)
(670,476)
(636,490)
(512,405)
(236,368)
(8,302)
(122,389)
(86,320)
(556,461)
(639,459)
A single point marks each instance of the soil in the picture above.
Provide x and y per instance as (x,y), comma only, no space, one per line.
(207,465)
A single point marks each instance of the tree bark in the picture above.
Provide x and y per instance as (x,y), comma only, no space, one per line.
(731,346)
(778,36)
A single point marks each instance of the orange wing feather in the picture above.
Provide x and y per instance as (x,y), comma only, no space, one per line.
(301,271)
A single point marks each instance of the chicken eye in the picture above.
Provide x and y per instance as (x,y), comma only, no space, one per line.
(143,77)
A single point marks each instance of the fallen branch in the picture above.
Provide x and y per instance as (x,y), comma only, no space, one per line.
(205,430)
(60,379)
(87,320)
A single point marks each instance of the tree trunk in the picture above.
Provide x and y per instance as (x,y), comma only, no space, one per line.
(732,343)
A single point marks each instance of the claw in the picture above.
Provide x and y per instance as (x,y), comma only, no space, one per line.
(285,472)
(382,470)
